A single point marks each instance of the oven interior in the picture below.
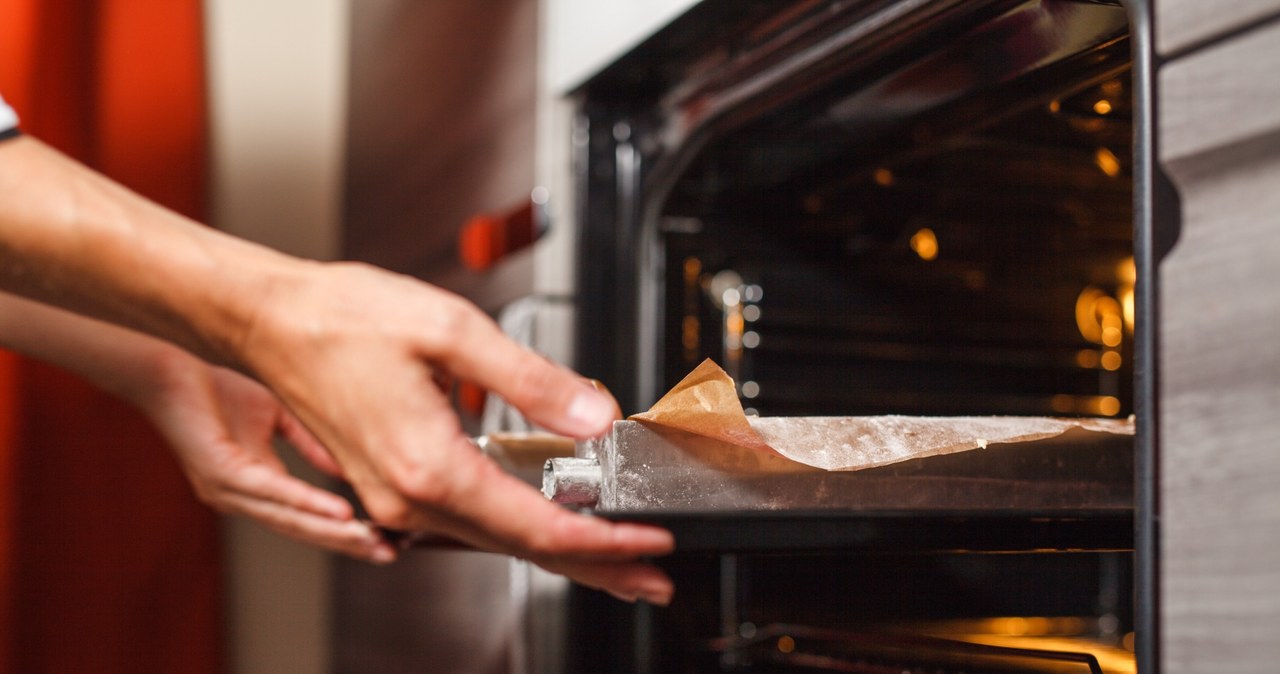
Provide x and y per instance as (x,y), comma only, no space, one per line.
(942,227)
(875,614)
(850,254)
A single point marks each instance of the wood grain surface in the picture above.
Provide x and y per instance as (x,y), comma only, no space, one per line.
(1220,356)
(1181,23)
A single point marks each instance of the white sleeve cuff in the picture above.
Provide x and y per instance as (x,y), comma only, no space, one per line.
(8,118)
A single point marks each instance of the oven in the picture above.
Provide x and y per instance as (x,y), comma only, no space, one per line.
(908,207)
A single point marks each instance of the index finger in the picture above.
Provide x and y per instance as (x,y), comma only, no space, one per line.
(550,395)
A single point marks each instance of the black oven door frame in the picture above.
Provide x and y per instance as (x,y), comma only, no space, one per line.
(621,156)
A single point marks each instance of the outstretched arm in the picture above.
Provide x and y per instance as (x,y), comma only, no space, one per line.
(349,349)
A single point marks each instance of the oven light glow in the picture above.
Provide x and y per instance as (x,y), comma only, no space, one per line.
(1019,626)
(1111,361)
(925,244)
(1063,403)
(1102,107)
(1055,106)
(1087,320)
(786,644)
(1126,271)
(1099,317)
(1012,626)
(1126,306)
(1107,161)
(692,268)
(1087,359)
(1107,406)
(691,326)
(690,333)
(1112,323)
(734,324)
(1128,275)
(883,177)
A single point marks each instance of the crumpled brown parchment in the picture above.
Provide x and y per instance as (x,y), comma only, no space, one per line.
(705,403)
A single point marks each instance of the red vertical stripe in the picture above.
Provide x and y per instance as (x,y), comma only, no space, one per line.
(107,563)
(8,507)
(152,100)
(63,79)
(17,32)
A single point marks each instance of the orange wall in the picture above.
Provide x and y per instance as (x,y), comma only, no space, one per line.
(107,563)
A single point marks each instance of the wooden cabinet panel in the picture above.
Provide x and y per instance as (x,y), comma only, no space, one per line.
(1227,95)
(1180,23)
(1220,361)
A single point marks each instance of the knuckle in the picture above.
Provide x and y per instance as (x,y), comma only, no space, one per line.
(450,318)
(540,545)
(552,540)
(533,380)
(389,510)
(536,545)
(433,474)
(420,482)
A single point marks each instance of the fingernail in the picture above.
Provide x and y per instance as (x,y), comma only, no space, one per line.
(615,411)
(382,555)
(656,590)
(624,596)
(590,412)
(655,597)
(334,507)
(365,532)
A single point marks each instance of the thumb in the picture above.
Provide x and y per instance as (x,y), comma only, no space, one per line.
(308,446)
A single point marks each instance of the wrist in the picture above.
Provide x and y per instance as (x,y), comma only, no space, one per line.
(155,375)
(240,293)
(260,320)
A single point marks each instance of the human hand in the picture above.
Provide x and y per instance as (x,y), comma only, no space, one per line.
(221,425)
(354,352)
(348,349)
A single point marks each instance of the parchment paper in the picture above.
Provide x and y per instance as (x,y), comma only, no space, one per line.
(705,403)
